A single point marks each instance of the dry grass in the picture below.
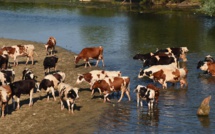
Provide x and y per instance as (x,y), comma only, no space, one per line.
(46,117)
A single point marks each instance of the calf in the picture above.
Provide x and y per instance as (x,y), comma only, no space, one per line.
(209,67)
(94,75)
(5,95)
(50,62)
(21,50)
(50,45)
(113,84)
(90,53)
(22,87)
(69,94)
(49,83)
(145,93)
(28,74)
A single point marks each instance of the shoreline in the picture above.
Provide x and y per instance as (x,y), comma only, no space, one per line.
(46,116)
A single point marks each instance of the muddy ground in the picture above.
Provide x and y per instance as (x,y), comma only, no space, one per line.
(46,116)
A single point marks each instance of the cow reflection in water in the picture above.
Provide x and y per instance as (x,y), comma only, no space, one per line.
(116,117)
(205,121)
(148,117)
(207,79)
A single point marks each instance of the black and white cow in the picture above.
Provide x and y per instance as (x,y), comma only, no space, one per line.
(163,59)
(144,93)
(28,74)
(69,94)
(50,62)
(9,75)
(49,84)
(22,87)
(143,57)
(179,52)
(4,58)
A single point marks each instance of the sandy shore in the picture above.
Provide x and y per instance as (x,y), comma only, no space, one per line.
(46,117)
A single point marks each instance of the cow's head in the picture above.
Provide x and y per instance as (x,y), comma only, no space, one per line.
(184,49)
(200,64)
(80,78)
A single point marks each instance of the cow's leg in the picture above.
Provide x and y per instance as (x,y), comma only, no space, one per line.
(61,104)
(27,60)
(97,62)
(88,62)
(18,101)
(52,89)
(32,60)
(128,94)
(69,106)
(138,99)
(103,63)
(47,96)
(31,98)
(13,101)
(2,110)
(105,97)
(122,94)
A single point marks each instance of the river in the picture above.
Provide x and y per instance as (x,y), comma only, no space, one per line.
(124,34)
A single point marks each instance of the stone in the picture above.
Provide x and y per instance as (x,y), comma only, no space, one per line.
(204,108)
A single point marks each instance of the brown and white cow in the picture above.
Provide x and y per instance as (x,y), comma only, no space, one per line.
(50,45)
(113,84)
(208,67)
(165,75)
(21,50)
(94,75)
(5,95)
(89,53)
(69,94)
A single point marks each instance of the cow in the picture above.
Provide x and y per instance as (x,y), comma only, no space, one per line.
(164,59)
(50,62)
(113,84)
(21,50)
(89,53)
(60,76)
(143,57)
(209,58)
(208,67)
(94,75)
(179,52)
(69,94)
(22,87)
(147,72)
(5,95)
(9,75)
(28,74)
(145,93)
(51,43)
(165,75)
(4,60)
(49,83)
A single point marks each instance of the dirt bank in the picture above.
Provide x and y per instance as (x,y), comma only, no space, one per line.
(46,117)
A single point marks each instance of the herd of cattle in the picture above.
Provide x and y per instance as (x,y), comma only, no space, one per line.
(161,66)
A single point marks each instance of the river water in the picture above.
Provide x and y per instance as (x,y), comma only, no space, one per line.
(124,34)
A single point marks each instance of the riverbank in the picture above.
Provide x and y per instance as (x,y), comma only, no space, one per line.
(46,117)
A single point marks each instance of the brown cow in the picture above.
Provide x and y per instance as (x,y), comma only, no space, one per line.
(5,95)
(89,53)
(113,84)
(51,43)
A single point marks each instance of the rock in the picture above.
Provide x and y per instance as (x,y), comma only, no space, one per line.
(204,108)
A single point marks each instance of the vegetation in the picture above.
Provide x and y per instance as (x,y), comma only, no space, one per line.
(208,7)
